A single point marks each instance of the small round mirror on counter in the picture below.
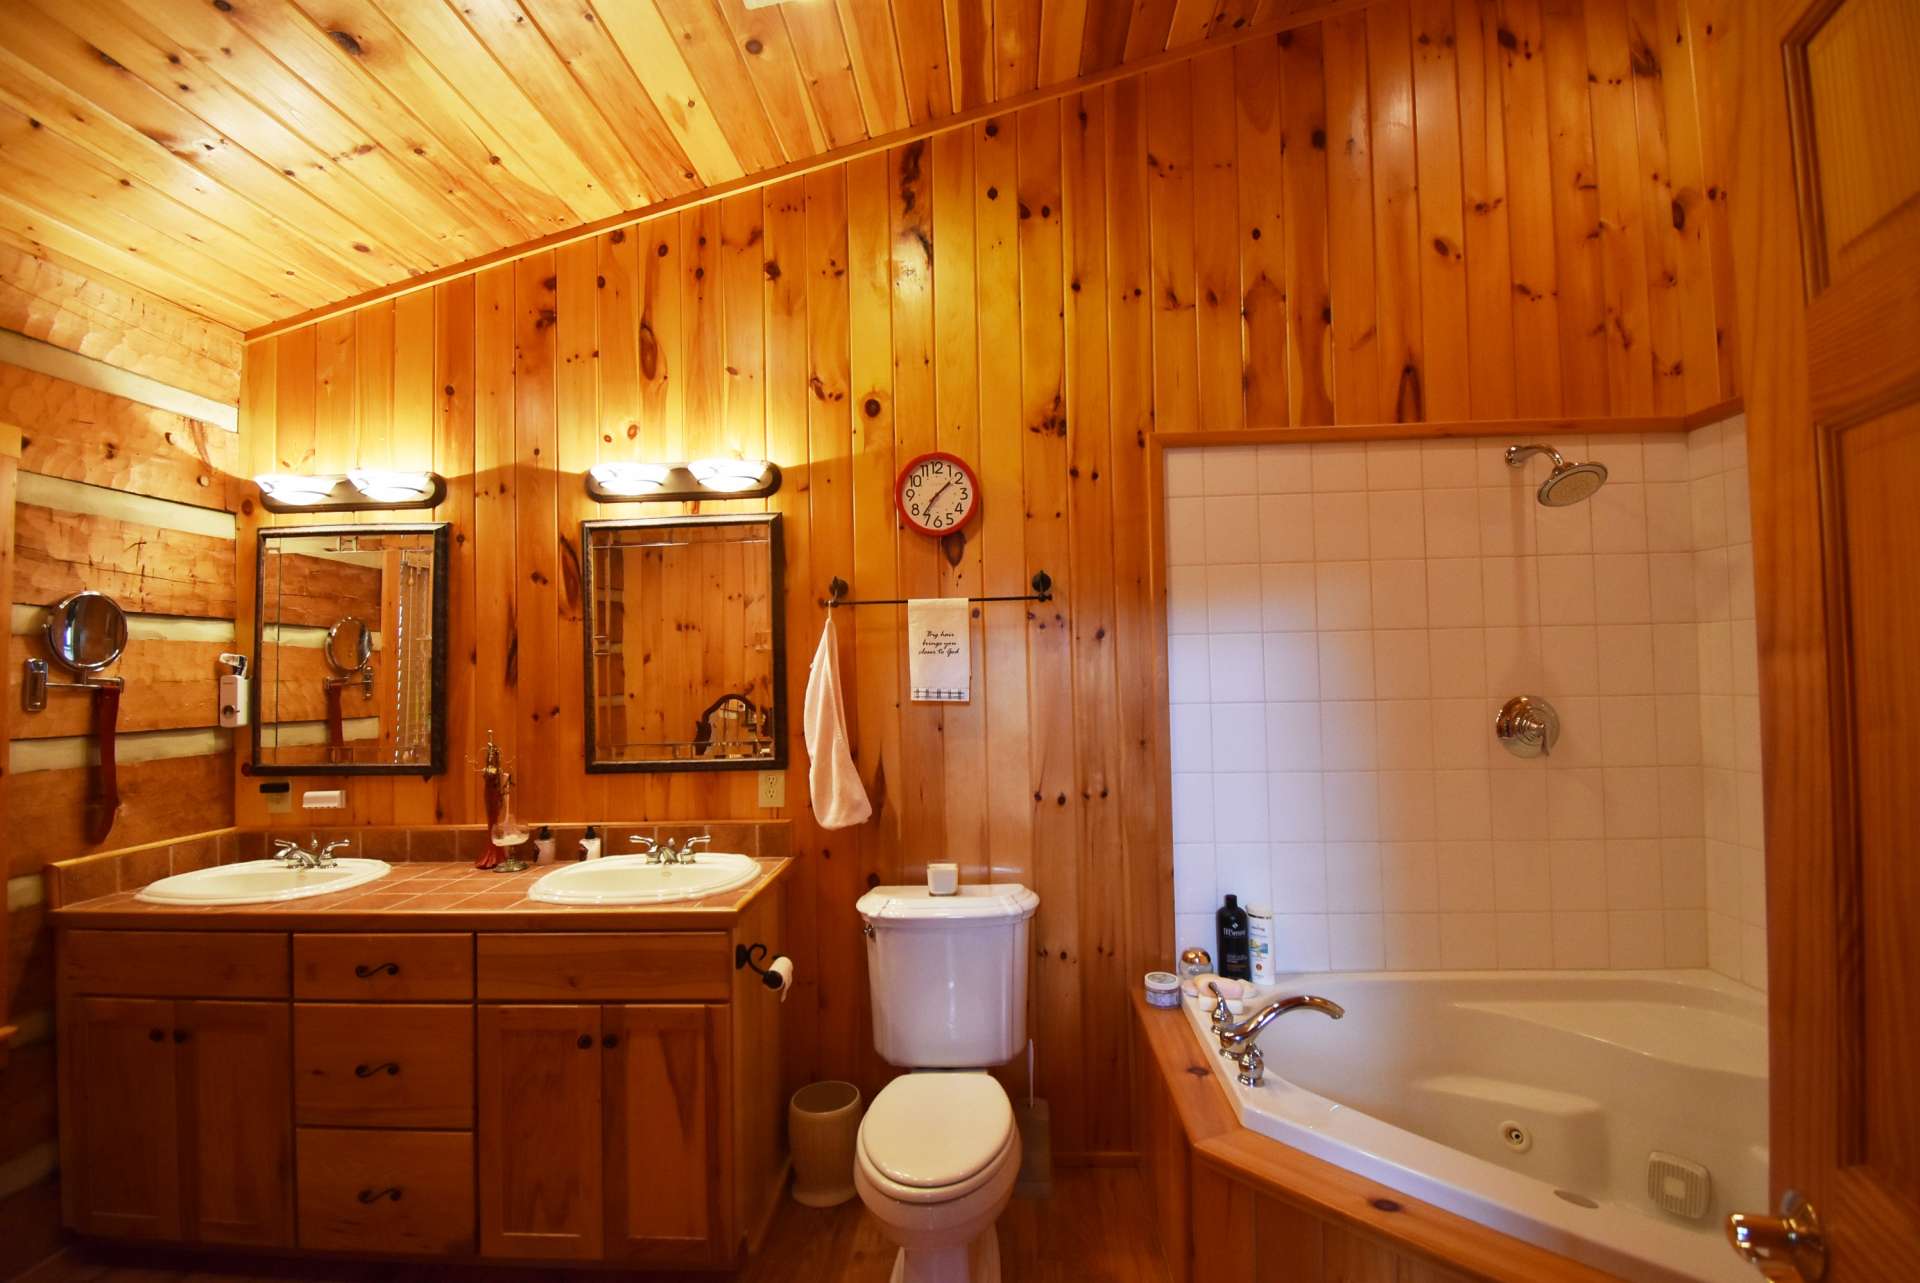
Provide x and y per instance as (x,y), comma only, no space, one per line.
(349,645)
(87,631)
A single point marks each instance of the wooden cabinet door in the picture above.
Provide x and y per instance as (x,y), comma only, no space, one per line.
(1826,214)
(119,1117)
(665,1178)
(235,1112)
(539,1122)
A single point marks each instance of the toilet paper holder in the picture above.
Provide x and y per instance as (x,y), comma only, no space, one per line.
(749,956)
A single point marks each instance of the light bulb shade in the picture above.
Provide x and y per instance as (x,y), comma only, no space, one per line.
(391,486)
(729,475)
(295,490)
(630,478)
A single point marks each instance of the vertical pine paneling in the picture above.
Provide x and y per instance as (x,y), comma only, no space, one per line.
(454,443)
(1262,231)
(1576,212)
(1350,248)
(1002,524)
(536,542)
(1443,274)
(1483,180)
(576,448)
(1216,248)
(1056,806)
(496,616)
(956,353)
(1303,167)
(1396,213)
(1622,237)
(1170,209)
(1691,213)
(1646,57)
(1100,900)
(922,748)
(1530,226)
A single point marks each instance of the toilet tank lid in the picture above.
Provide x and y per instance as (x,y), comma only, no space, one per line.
(915,906)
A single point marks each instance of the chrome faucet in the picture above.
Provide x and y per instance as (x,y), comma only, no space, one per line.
(673,852)
(646,846)
(312,856)
(686,851)
(1237,1041)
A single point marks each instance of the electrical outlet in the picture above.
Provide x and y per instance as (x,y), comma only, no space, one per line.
(773,789)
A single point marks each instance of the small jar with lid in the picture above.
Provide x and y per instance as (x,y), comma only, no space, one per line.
(1163,989)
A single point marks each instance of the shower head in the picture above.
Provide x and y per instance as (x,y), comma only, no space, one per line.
(1568,483)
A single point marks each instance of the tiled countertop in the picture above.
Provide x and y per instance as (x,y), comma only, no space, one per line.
(424,897)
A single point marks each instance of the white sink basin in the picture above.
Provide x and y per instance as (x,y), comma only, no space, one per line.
(629,879)
(260,882)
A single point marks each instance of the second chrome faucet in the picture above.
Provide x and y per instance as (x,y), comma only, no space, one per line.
(672,852)
(1237,1041)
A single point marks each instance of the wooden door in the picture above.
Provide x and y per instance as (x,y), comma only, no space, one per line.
(539,1113)
(665,1183)
(119,1117)
(236,1117)
(1825,201)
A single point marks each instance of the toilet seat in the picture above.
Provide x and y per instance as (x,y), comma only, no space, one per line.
(937,1137)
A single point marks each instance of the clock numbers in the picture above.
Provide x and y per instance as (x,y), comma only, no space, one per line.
(938,494)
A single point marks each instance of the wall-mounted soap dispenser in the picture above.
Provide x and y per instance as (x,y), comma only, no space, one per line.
(236,691)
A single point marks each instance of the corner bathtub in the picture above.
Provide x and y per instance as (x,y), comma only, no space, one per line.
(1421,1087)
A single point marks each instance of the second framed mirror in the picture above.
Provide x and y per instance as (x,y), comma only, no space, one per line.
(685,644)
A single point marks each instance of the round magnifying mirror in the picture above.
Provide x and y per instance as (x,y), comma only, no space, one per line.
(87,631)
(349,645)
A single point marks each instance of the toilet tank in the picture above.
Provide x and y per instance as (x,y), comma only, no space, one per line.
(948,974)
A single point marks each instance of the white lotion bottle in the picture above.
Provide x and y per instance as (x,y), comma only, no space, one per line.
(1260,943)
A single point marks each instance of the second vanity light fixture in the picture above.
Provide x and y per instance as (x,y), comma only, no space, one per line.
(682,482)
(354,491)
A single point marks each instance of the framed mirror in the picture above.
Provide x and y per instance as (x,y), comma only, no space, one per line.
(685,644)
(350,645)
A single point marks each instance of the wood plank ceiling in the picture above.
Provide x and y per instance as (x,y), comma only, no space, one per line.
(254,159)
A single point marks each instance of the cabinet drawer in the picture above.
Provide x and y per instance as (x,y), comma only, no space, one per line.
(650,966)
(407,1192)
(382,1065)
(175,964)
(383,968)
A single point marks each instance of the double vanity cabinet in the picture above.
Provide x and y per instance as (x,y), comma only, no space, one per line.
(591,1085)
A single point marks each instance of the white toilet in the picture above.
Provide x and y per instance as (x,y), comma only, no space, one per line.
(938,1152)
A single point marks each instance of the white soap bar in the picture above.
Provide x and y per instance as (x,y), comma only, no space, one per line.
(324,800)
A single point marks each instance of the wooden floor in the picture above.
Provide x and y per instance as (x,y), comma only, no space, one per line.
(1096,1228)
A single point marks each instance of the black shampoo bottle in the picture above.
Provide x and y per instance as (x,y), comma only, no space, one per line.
(1231,924)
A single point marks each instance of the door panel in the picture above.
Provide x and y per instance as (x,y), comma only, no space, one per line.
(1825,208)
(664,1180)
(540,1132)
(120,1118)
(235,1062)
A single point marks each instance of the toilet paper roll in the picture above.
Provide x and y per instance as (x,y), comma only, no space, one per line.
(780,975)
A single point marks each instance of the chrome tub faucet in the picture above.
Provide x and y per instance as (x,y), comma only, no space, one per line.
(1237,1042)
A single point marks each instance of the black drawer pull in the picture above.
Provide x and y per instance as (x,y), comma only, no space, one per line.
(157,1035)
(366,972)
(181,1035)
(610,1041)
(586,1041)
(391,1192)
(368,1071)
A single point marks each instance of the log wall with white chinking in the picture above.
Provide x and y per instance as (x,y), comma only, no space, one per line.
(101,490)
(1392,216)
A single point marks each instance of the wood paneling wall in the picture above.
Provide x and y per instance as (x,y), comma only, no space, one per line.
(1420,212)
(97,491)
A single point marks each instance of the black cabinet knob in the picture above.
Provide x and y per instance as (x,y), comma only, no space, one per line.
(181,1035)
(157,1035)
(610,1041)
(586,1041)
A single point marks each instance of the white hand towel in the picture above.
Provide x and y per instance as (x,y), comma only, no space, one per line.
(939,650)
(839,799)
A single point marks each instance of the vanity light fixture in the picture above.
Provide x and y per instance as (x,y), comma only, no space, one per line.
(629,480)
(389,486)
(682,482)
(729,475)
(358,490)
